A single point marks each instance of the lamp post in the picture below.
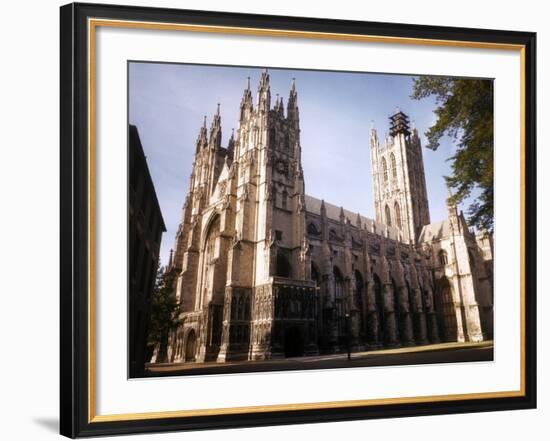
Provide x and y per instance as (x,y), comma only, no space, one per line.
(348,336)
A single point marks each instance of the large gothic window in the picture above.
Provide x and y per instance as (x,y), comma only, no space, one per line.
(209,254)
(385,169)
(393,166)
(388,216)
(397,216)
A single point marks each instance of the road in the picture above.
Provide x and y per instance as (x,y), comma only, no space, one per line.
(437,353)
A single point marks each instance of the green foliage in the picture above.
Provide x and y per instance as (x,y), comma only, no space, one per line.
(464,113)
(164,307)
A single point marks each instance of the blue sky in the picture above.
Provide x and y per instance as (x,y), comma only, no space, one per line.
(167,103)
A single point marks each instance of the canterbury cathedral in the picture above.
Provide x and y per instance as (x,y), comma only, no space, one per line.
(263,270)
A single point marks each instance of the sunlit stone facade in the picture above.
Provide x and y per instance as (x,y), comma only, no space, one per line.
(266,271)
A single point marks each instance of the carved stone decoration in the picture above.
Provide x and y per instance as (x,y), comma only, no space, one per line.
(281,166)
(301,205)
(268,192)
(236,239)
(270,240)
(226,202)
(305,250)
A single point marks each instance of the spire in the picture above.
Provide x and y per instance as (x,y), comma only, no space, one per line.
(342,215)
(202,139)
(452,210)
(216,129)
(323,208)
(231,142)
(414,131)
(264,94)
(279,108)
(170,259)
(292,105)
(373,136)
(358,221)
(246,101)
(264,80)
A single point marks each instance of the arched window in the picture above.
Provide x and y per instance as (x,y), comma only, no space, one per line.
(393,166)
(388,216)
(443,257)
(312,229)
(397,216)
(207,282)
(385,169)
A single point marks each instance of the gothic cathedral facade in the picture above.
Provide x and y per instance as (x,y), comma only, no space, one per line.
(266,271)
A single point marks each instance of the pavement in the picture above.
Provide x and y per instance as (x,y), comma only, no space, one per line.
(426,354)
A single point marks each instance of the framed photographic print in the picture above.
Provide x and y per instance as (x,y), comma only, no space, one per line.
(273,220)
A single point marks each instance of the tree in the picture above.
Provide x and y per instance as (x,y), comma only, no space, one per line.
(464,113)
(164,311)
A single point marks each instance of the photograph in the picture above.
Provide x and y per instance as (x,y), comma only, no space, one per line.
(294,219)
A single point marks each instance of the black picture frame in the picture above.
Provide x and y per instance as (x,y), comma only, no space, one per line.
(76,418)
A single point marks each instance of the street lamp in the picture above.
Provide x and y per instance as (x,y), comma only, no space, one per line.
(348,336)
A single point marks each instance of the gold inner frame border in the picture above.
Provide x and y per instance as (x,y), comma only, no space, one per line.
(92,25)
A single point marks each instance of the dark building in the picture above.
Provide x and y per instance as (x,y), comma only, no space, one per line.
(145,232)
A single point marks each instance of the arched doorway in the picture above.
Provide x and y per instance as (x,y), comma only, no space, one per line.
(294,342)
(445,309)
(190,346)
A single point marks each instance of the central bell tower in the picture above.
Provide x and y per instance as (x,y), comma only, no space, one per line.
(399,182)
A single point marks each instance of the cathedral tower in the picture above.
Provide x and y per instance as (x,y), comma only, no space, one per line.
(399,182)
